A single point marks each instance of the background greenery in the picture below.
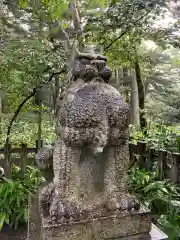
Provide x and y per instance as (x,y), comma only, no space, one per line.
(141,41)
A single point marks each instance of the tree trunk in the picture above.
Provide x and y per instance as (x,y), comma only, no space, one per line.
(56,89)
(40,125)
(1,108)
(141,93)
(117,77)
(76,19)
(1,114)
(126,84)
(135,102)
(76,15)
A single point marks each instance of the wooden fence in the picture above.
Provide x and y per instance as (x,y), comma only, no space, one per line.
(20,156)
(168,163)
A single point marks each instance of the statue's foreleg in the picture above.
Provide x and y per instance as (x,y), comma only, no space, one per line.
(66,203)
(60,199)
(116,174)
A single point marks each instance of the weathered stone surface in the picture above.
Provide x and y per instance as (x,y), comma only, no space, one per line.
(44,157)
(90,156)
(137,224)
(34,218)
(114,227)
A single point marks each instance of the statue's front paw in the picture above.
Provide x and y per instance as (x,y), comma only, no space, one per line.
(123,202)
(64,211)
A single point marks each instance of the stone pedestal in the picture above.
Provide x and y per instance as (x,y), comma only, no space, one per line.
(34,219)
(134,226)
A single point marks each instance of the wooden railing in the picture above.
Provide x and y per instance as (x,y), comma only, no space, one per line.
(20,156)
(168,163)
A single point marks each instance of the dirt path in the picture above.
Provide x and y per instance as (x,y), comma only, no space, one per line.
(9,234)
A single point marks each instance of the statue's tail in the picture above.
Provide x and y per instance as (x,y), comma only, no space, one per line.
(44,157)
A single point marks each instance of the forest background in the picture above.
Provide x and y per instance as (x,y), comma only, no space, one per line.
(141,40)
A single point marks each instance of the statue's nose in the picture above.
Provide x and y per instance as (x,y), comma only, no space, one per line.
(99,64)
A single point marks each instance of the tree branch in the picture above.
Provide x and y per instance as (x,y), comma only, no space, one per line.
(125,31)
(63,70)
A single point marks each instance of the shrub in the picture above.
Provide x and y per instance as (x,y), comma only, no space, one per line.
(14,195)
(162,197)
(25,131)
(159,136)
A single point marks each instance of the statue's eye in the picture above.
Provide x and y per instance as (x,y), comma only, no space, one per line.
(85,61)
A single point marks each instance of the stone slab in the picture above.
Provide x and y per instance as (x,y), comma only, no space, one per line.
(135,224)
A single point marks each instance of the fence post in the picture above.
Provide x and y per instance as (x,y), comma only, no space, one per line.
(149,164)
(23,157)
(175,166)
(132,151)
(7,160)
(39,144)
(141,151)
(162,163)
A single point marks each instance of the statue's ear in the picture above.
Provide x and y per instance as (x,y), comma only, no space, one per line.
(101,57)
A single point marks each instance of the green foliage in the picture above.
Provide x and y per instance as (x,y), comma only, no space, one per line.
(159,136)
(162,85)
(25,130)
(23,60)
(171,223)
(56,8)
(22,66)
(93,4)
(158,195)
(14,195)
(161,197)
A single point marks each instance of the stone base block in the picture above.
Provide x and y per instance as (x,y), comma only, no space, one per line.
(136,225)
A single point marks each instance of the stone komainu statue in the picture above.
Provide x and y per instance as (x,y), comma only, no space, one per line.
(90,156)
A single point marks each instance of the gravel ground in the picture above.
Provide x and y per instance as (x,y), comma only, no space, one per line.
(10,234)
